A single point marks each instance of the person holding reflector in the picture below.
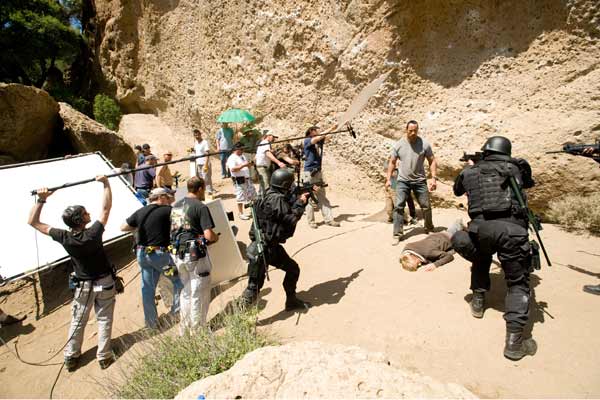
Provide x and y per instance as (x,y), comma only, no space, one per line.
(93,273)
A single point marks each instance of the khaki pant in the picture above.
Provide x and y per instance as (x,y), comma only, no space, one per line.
(321,198)
(264,174)
(99,294)
(206,176)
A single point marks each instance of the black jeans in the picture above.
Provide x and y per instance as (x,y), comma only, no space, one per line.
(511,242)
(276,256)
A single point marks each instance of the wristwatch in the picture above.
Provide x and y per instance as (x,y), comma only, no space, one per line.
(40,201)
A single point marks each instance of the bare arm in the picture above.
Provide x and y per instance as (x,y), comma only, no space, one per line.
(106,200)
(433,169)
(211,236)
(390,170)
(270,155)
(36,210)
(126,228)
(239,167)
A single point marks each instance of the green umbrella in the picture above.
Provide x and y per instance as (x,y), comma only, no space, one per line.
(236,115)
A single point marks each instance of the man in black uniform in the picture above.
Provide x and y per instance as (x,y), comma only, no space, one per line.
(498,225)
(277,216)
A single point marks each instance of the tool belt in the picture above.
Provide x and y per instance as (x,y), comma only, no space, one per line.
(194,246)
(76,282)
(152,249)
(239,180)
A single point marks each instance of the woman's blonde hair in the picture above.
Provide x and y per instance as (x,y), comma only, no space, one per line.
(410,262)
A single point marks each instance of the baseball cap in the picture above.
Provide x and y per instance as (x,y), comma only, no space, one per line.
(145,146)
(161,191)
(238,145)
(267,132)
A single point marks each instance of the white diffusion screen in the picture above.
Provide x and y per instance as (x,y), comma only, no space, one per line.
(24,250)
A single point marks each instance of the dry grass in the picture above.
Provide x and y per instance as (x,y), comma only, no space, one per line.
(575,212)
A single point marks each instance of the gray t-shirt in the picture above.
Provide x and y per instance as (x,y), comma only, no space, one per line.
(412,158)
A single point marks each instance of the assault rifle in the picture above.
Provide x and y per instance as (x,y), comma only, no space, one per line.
(309,188)
(533,220)
(475,157)
(577,150)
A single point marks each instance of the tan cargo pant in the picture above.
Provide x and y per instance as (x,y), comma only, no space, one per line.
(321,198)
(99,294)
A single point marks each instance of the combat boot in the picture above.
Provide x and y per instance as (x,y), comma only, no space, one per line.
(516,347)
(478,304)
(293,303)
(247,298)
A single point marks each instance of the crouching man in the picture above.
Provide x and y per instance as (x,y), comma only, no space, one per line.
(432,252)
(93,273)
(277,216)
(191,232)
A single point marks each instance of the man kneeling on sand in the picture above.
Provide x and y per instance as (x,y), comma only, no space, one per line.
(432,252)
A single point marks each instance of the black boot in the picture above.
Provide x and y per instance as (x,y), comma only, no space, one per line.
(477,304)
(293,303)
(593,289)
(516,347)
(248,298)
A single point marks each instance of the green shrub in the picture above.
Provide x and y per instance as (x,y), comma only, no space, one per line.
(171,363)
(576,212)
(107,111)
(79,103)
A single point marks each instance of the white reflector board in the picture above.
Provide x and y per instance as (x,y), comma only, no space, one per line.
(25,250)
(225,256)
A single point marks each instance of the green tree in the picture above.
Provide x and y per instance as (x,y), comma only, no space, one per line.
(107,111)
(34,36)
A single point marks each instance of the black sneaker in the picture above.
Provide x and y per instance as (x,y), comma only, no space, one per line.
(295,303)
(478,304)
(71,363)
(107,362)
(9,320)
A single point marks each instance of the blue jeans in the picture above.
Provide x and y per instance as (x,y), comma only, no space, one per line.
(224,156)
(152,266)
(403,189)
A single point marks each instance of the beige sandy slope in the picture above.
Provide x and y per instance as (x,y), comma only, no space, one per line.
(362,297)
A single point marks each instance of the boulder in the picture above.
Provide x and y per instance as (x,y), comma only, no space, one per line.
(318,370)
(28,119)
(87,135)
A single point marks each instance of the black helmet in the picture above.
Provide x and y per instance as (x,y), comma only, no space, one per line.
(498,144)
(282,179)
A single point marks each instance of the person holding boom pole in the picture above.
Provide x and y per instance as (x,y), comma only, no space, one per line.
(93,273)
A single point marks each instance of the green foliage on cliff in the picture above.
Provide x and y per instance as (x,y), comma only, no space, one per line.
(35,37)
(107,111)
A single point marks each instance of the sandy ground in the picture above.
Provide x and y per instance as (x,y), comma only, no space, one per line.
(360,296)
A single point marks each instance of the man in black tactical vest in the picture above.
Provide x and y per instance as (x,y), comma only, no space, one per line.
(277,214)
(498,225)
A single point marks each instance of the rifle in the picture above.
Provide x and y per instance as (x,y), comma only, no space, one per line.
(475,157)
(258,236)
(577,150)
(533,220)
(306,187)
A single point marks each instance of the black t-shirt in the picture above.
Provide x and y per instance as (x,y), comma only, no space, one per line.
(86,250)
(153,223)
(197,215)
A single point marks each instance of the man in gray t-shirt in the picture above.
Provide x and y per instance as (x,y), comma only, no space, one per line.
(411,151)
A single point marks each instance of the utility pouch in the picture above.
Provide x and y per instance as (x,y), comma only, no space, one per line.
(535,255)
(73,281)
(196,249)
(239,180)
(119,283)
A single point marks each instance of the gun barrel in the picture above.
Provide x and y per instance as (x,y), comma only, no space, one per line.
(555,152)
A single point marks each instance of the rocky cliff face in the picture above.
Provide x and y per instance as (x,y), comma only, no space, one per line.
(526,69)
